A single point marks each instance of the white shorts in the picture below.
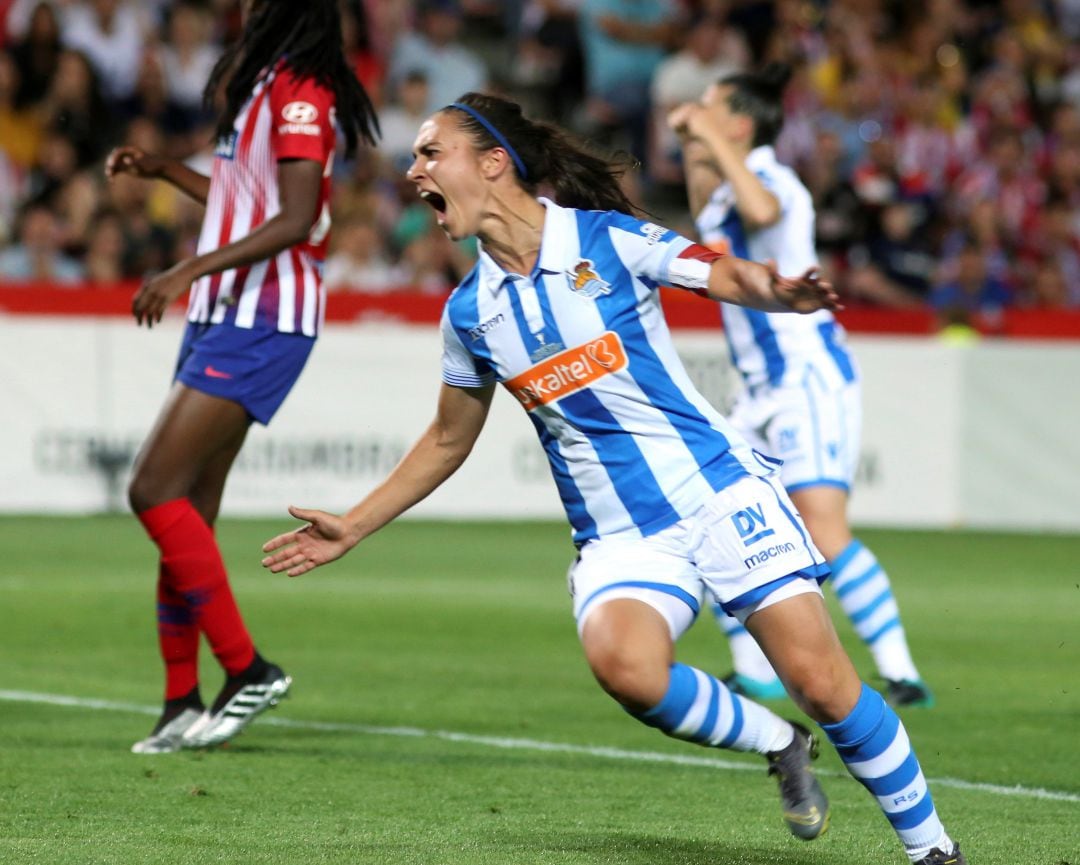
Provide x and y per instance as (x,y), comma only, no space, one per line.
(746,548)
(815,430)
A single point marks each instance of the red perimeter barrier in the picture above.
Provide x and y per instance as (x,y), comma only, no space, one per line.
(683,310)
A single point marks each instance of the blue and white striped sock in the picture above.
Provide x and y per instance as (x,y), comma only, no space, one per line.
(699,708)
(875,748)
(865,594)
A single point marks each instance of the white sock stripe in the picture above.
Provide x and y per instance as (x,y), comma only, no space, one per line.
(855,601)
(867,627)
(694,718)
(864,560)
(885,762)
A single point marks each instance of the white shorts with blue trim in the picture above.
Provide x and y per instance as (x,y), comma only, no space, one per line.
(814,429)
(745,549)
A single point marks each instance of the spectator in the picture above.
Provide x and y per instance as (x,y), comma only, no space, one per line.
(37,255)
(401,120)
(74,107)
(710,51)
(971,290)
(188,55)
(895,267)
(1050,288)
(20,129)
(548,62)
(1005,176)
(359,261)
(37,54)
(451,68)
(105,247)
(112,36)
(624,41)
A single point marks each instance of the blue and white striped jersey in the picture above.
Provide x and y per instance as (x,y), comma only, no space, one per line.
(582,344)
(776,348)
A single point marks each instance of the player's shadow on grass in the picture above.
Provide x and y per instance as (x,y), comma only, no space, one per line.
(629,849)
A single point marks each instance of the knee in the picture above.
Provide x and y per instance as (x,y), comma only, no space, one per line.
(636,681)
(826,692)
(147,489)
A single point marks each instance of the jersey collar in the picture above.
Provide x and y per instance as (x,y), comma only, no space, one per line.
(559,247)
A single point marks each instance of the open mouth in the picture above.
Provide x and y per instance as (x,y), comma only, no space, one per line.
(437,202)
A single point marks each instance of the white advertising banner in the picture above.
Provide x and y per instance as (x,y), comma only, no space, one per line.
(954,435)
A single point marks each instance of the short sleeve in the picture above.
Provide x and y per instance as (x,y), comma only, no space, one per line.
(660,255)
(461,368)
(303,118)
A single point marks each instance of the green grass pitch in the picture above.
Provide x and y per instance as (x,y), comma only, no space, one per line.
(442,712)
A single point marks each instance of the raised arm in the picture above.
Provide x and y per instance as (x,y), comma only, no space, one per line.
(133,161)
(299,182)
(707,152)
(438,453)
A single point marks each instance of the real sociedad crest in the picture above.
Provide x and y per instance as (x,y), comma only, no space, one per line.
(585,281)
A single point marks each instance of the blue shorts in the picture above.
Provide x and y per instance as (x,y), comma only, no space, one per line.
(255,368)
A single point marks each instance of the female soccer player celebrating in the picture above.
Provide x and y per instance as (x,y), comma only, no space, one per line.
(255,308)
(802,396)
(666,502)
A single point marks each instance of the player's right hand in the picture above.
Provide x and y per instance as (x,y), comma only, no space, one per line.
(132,160)
(326,537)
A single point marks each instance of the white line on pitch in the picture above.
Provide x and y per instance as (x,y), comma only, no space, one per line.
(525,744)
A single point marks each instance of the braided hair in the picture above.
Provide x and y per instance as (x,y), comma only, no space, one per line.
(307,37)
(545,155)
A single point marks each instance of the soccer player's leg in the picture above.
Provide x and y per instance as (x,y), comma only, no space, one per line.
(194,432)
(819,483)
(632,601)
(798,637)
(864,591)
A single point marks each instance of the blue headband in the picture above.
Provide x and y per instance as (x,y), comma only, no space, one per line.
(498,136)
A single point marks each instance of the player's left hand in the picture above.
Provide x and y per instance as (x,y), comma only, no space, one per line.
(155,295)
(805,293)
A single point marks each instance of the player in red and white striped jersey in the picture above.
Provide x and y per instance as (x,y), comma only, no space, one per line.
(256,305)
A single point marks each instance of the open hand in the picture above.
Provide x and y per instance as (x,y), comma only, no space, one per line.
(805,293)
(325,538)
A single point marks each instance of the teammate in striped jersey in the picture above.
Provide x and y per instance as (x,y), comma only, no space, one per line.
(667,503)
(255,308)
(802,396)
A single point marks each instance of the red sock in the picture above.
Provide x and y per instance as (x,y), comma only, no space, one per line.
(192,566)
(178,639)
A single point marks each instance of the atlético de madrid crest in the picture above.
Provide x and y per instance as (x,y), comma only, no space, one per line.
(585,281)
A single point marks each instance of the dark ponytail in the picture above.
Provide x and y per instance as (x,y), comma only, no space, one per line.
(760,96)
(549,157)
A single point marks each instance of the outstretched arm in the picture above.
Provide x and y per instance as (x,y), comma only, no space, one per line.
(438,453)
(759,286)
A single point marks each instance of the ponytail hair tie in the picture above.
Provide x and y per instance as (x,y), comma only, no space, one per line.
(498,136)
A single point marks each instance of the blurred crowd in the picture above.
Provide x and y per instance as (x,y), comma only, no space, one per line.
(940,138)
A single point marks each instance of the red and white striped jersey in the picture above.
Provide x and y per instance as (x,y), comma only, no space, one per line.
(285,118)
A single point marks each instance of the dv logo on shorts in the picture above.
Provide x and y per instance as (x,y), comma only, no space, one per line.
(748,522)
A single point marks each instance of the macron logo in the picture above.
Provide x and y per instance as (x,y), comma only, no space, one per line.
(485,326)
(762,556)
(568,371)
